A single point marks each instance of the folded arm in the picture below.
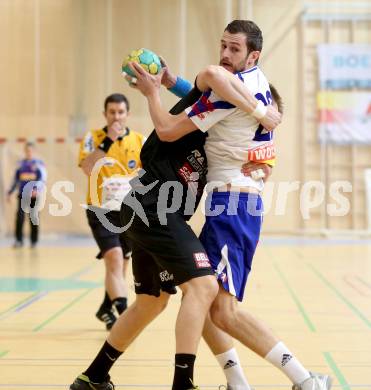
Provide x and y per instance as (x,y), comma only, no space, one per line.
(227,86)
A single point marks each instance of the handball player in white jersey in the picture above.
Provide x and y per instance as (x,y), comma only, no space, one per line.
(230,237)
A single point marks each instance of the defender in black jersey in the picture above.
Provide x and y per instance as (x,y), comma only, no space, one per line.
(169,254)
(164,255)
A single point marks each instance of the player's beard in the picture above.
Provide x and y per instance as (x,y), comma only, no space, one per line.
(240,67)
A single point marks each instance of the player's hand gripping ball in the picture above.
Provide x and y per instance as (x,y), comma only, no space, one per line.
(147,59)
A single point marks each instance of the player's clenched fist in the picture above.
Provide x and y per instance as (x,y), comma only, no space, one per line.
(114,130)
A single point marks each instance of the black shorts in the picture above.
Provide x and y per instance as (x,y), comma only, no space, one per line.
(106,239)
(164,256)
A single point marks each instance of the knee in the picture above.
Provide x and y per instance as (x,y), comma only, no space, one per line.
(222,317)
(204,288)
(114,262)
(151,304)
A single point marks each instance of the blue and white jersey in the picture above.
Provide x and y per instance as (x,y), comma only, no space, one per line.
(231,131)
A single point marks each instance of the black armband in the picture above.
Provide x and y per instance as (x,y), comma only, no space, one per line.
(105,144)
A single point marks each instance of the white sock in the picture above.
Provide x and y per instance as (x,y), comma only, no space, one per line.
(230,363)
(282,358)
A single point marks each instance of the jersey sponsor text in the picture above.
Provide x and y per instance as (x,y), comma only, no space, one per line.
(201,260)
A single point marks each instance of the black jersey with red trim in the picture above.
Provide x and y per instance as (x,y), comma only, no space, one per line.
(183,161)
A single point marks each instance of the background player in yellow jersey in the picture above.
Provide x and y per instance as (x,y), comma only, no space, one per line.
(108,156)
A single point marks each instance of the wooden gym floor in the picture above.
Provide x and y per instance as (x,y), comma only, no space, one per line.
(315,294)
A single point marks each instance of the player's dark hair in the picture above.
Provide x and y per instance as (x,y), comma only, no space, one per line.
(254,36)
(116,98)
(276,98)
(29,144)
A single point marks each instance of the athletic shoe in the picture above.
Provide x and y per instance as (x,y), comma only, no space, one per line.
(194,387)
(82,382)
(106,315)
(314,382)
(230,387)
(18,244)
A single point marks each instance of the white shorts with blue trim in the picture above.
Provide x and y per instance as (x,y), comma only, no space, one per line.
(230,236)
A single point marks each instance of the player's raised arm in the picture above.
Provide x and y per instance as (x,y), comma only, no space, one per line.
(175,84)
(227,86)
(168,127)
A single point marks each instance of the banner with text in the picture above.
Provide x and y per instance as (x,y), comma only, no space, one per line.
(344,66)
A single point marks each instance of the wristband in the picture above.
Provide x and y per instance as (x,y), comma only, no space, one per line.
(260,110)
(105,144)
(181,87)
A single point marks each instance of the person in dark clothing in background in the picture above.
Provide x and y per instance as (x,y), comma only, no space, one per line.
(29,178)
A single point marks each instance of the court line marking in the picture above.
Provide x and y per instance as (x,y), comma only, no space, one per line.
(31,301)
(348,280)
(18,309)
(341,296)
(18,303)
(24,303)
(336,370)
(36,362)
(300,307)
(83,271)
(62,310)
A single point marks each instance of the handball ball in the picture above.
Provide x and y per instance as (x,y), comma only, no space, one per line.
(147,59)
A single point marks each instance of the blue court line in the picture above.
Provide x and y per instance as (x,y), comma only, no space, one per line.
(20,306)
(17,304)
(31,301)
(336,370)
(300,307)
(341,296)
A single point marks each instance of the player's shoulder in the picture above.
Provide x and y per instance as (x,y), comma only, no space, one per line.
(92,137)
(253,72)
(38,161)
(254,78)
(95,133)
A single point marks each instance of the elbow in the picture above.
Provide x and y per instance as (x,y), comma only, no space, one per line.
(211,72)
(210,77)
(166,134)
(207,77)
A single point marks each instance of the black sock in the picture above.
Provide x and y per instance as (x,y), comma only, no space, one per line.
(120,304)
(107,301)
(98,370)
(183,374)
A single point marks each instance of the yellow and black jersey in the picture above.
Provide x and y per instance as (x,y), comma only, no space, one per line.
(109,180)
